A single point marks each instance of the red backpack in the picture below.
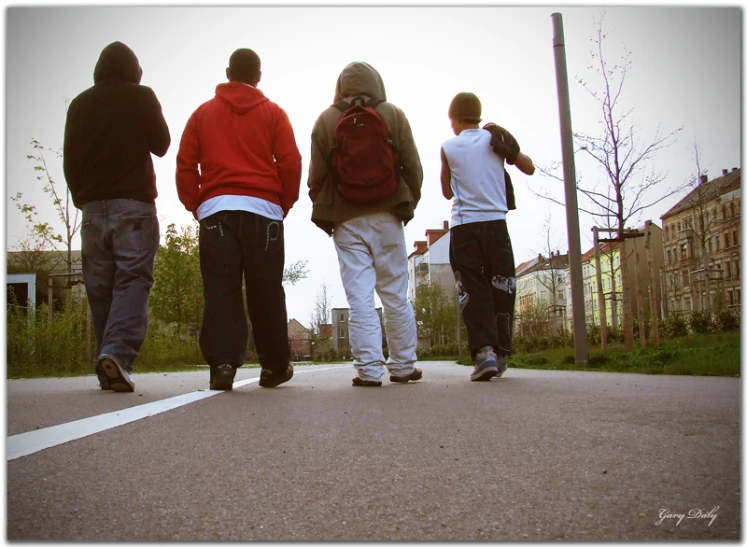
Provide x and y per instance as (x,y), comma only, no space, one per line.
(364,159)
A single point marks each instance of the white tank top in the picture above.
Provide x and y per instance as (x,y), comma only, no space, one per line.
(477,178)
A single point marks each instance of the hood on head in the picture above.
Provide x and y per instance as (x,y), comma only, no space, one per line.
(117,62)
(359,78)
(240,98)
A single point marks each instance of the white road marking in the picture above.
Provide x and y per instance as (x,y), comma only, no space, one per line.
(30,442)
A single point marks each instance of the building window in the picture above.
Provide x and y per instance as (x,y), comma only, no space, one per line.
(669,257)
(342,333)
(718,243)
(679,226)
(727,270)
(731,209)
(683,251)
(342,318)
(710,246)
(726,240)
(735,238)
(688,305)
(736,268)
(723,212)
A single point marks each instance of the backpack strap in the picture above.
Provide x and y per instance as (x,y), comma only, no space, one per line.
(343,105)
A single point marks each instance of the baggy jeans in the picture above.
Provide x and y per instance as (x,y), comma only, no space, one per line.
(119,240)
(372,256)
(483,264)
(236,246)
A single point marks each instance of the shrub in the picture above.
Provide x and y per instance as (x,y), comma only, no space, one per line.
(727,320)
(701,322)
(674,326)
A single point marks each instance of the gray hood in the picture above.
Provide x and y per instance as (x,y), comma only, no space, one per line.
(357,79)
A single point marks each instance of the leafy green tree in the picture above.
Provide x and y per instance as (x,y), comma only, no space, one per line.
(177,296)
(435,313)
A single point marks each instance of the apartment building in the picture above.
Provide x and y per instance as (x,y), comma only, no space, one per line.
(701,240)
(637,279)
(429,262)
(541,303)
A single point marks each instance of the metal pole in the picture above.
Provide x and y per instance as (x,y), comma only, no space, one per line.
(571,201)
(600,293)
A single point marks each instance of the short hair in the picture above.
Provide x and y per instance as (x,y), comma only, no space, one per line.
(244,65)
(465,107)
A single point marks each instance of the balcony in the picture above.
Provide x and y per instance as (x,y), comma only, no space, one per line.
(421,269)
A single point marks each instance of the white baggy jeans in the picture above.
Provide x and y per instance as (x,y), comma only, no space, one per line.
(372,255)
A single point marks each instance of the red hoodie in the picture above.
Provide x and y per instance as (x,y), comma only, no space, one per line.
(243,144)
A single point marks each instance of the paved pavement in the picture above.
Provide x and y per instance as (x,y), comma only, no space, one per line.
(537,455)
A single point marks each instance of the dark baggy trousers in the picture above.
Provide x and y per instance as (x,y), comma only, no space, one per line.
(483,263)
(236,245)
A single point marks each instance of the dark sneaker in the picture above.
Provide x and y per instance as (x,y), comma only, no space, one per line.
(105,385)
(415,375)
(221,377)
(119,379)
(271,378)
(486,365)
(365,383)
(502,365)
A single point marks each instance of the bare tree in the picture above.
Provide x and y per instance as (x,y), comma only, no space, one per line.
(553,278)
(702,225)
(620,153)
(63,203)
(322,311)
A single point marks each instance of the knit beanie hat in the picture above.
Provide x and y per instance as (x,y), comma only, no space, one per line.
(465,106)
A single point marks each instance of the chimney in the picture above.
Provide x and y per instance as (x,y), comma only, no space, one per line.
(733,169)
(724,171)
(446,224)
(703,179)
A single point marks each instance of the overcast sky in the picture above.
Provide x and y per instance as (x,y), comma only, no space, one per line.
(686,72)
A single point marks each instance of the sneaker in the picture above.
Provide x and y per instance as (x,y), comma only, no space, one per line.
(486,365)
(358,382)
(119,378)
(221,377)
(415,375)
(105,385)
(270,378)
(502,365)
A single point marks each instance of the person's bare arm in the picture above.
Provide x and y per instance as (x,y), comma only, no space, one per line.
(524,163)
(445,177)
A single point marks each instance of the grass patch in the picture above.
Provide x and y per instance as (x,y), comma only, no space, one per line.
(715,354)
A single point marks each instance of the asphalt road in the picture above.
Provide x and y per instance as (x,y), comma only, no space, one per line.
(536,455)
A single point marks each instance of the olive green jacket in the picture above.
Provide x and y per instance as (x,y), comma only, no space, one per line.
(329,208)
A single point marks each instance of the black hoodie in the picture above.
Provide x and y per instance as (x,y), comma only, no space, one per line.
(111,130)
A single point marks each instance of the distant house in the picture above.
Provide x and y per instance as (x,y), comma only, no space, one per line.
(28,274)
(340,333)
(299,341)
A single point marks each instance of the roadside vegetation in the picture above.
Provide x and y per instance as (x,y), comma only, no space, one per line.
(702,345)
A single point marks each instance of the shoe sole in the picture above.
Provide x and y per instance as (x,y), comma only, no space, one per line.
(406,379)
(357,382)
(484,375)
(119,381)
(272,383)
